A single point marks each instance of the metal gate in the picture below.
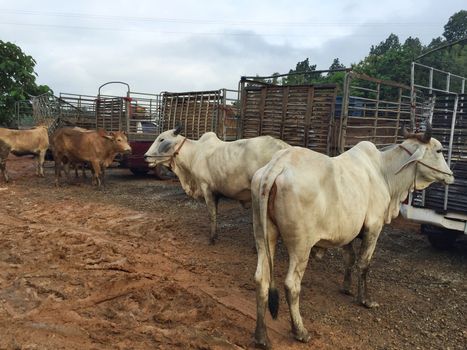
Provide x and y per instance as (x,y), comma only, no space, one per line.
(448,115)
(138,114)
(373,110)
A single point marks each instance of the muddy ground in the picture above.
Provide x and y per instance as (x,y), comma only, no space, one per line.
(129,267)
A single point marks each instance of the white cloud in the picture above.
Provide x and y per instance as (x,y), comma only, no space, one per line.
(188,45)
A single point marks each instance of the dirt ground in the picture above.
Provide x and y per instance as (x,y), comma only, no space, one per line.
(129,267)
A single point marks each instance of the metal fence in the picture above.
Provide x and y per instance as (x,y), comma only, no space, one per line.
(373,110)
(447,113)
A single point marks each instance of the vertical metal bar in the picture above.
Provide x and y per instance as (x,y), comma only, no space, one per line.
(199,114)
(413,97)
(285,102)
(207,114)
(430,81)
(215,112)
(376,113)
(448,82)
(193,117)
(309,109)
(262,105)
(451,140)
(398,117)
(330,135)
(224,114)
(344,113)
(243,99)
(186,117)
(463,86)
(175,111)
(128,113)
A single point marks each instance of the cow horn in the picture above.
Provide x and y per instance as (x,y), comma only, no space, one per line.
(405,132)
(178,129)
(427,134)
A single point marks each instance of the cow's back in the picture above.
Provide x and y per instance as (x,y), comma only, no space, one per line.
(26,141)
(77,145)
(349,187)
(229,166)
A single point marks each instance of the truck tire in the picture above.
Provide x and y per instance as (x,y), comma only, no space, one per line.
(439,238)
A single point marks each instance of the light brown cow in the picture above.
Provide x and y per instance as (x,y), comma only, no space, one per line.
(98,148)
(24,142)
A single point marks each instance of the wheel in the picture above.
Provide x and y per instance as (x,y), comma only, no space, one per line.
(440,238)
(139,171)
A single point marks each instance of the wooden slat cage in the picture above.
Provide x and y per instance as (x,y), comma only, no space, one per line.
(300,115)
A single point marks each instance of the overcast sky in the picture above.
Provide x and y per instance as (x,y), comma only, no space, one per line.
(182,45)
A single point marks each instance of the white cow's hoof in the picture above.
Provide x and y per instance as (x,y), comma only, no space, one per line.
(370,304)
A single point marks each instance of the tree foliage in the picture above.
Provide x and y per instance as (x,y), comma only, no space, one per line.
(17,79)
(456,28)
(391,59)
(307,77)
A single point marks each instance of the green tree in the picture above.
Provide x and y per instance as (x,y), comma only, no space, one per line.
(336,64)
(456,28)
(17,79)
(308,77)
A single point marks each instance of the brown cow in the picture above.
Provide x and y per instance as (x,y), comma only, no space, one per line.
(98,148)
(24,142)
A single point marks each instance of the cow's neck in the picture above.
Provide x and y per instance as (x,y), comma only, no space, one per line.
(109,153)
(398,184)
(183,165)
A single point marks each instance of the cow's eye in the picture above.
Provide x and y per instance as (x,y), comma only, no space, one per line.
(439,151)
(161,140)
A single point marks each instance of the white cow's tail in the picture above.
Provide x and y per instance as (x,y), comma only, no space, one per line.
(267,183)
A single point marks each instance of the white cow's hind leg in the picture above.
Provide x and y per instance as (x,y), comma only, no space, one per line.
(366,252)
(263,280)
(297,264)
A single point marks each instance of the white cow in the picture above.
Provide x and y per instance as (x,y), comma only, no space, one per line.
(210,168)
(310,199)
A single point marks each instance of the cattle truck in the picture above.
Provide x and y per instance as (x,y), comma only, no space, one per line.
(441,210)
(144,115)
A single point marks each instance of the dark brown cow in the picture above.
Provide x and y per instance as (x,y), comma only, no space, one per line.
(98,148)
(24,142)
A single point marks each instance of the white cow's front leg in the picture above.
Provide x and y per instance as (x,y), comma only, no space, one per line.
(366,252)
(211,202)
(349,260)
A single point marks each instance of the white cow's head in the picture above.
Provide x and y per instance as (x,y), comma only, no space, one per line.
(164,147)
(427,153)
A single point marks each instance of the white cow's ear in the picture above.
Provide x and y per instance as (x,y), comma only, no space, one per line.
(416,156)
